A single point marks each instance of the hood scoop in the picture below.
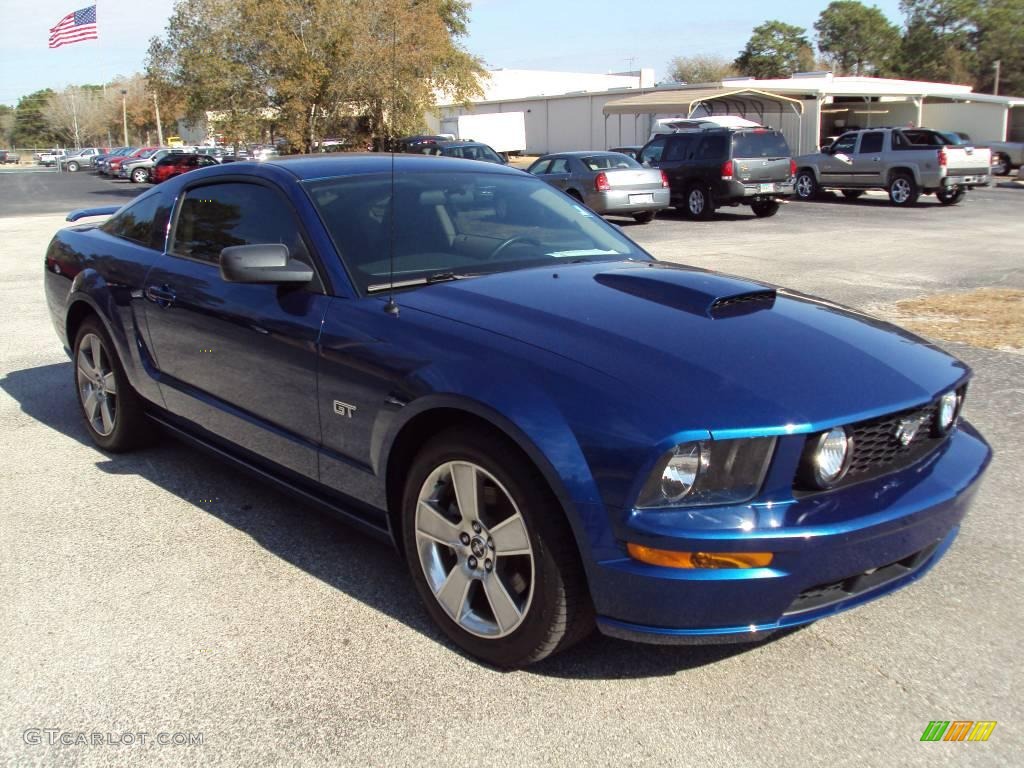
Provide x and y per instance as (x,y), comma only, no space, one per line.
(690,290)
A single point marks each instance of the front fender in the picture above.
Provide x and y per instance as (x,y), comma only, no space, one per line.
(522,411)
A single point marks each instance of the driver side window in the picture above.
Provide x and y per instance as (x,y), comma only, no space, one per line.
(217,216)
(845,143)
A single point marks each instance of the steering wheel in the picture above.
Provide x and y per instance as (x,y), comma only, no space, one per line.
(512,241)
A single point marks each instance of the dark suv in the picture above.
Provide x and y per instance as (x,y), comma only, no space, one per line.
(711,167)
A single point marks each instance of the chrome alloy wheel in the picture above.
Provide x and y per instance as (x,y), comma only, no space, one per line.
(804,186)
(474,549)
(97,387)
(900,191)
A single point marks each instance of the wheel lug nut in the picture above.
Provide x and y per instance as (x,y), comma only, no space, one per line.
(464,538)
(472,562)
(490,543)
(489,565)
(476,527)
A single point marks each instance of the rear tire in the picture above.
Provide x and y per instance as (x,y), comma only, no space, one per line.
(951,195)
(1000,164)
(807,186)
(508,609)
(903,190)
(765,208)
(698,202)
(646,217)
(110,407)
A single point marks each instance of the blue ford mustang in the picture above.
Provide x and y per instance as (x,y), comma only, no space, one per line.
(554,428)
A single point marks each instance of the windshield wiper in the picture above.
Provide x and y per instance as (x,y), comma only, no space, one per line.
(436,277)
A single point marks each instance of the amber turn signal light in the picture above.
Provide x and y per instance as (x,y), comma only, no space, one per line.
(670,559)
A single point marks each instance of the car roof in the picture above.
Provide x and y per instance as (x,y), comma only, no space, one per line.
(306,167)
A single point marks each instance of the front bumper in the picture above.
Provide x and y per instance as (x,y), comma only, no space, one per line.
(833,551)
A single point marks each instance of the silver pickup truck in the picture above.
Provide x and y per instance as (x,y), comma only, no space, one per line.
(905,162)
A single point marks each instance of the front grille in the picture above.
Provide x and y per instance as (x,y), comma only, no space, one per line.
(877,448)
(822,595)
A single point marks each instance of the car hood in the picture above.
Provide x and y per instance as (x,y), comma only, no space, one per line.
(723,353)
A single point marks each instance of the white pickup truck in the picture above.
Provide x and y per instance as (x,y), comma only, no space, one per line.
(905,162)
(1006,155)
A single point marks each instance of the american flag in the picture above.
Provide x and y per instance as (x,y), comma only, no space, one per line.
(75,27)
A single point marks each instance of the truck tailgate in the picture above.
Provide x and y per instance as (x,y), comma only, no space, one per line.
(962,161)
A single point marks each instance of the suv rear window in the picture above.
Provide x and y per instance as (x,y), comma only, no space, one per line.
(759,144)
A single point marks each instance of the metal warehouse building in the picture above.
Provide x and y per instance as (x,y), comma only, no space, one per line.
(808,108)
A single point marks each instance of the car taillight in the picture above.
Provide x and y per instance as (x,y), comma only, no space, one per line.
(664,179)
(601,183)
(942,157)
(792,167)
(727,170)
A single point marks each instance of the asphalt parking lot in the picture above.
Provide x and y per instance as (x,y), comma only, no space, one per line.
(165,593)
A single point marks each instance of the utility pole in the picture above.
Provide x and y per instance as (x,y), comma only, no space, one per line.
(996,67)
(159,128)
(124,114)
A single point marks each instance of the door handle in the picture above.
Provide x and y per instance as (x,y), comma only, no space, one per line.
(161,295)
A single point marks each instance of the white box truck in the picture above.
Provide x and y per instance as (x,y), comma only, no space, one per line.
(502,131)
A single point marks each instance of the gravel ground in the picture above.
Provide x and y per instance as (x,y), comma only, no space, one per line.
(163,592)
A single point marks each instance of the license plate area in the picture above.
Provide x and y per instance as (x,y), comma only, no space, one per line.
(762,188)
(646,197)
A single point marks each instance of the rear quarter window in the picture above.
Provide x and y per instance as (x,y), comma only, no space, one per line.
(144,222)
(760,144)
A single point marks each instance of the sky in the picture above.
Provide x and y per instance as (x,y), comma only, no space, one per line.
(566,35)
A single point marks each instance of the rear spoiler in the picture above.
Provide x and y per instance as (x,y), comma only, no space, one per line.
(81,213)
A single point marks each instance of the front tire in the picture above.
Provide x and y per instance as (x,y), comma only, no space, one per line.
(903,190)
(490,551)
(140,175)
(110,407)
(951,195)
(72,167)
(765,208)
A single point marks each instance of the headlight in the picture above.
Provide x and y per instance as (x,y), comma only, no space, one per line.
(708,472)
(829,458)
(949,404)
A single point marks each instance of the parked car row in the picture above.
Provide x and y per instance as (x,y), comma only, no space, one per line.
(704,166)
(141,165)
(9,157)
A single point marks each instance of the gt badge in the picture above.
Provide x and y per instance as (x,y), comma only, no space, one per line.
(344,409)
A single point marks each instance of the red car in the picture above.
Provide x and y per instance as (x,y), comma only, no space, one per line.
(175,165)
(114,163)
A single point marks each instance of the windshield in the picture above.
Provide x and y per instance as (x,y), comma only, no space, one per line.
(609,162)
(458,224)
(759,144)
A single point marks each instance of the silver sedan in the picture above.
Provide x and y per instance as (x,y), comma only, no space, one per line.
(606,182)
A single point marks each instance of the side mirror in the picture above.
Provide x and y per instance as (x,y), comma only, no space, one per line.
(269,263)
(827,150)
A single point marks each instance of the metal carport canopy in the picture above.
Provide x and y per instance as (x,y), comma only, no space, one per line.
(684,101)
